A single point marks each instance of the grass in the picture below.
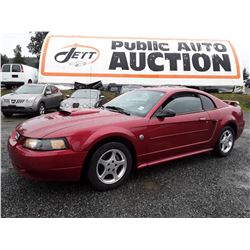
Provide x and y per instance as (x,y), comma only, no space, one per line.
(243,99)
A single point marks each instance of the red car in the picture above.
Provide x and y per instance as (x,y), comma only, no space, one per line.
(140,128)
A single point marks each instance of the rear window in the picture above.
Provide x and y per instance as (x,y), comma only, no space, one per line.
(16,68)
(6,68)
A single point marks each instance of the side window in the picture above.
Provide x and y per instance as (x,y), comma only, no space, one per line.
(54,89)
(6,68)
(48,88)
(207,103)
(16,68)
(183,103)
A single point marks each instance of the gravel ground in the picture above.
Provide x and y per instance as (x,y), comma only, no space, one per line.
(199,186)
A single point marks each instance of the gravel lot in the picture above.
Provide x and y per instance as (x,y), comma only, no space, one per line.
(199,186)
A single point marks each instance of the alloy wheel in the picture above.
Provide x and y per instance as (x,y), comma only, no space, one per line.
(111,166)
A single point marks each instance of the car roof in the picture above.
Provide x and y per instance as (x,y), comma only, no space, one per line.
(93,90)
(35,84)
(168,89)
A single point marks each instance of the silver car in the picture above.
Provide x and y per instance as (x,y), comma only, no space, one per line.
(83,98)
(31,98)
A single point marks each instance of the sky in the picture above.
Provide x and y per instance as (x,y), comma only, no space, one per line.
(176,19)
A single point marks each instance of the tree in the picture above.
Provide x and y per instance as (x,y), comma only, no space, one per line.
(36,42)
(4,59)
(245,74)
(18,55)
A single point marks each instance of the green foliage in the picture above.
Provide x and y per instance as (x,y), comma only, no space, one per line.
(18,55)
(36,43)
(245,74)
(4,59)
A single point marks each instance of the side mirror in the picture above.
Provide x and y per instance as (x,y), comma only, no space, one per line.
(67,96)
(48,92)
(166,113)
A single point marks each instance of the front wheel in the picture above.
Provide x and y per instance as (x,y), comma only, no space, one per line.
(41,109)
(110,166)
(226,142)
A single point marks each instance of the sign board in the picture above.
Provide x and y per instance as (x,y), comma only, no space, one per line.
(144,61)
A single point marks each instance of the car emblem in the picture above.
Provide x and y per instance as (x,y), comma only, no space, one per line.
(13,101)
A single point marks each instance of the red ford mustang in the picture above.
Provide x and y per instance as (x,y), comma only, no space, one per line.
(141,128)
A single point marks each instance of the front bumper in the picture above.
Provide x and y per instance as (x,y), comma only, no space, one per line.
(58,165)
(19,109)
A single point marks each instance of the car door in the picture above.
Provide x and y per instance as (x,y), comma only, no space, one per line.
(48,97)
(56,96)
(189,130)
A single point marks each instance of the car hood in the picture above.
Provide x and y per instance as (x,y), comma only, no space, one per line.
(20,96)
(81,101)
(70,122)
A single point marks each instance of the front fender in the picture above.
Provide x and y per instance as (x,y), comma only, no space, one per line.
(105,133)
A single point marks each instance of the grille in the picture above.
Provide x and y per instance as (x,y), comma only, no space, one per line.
(13,101)
(20,101)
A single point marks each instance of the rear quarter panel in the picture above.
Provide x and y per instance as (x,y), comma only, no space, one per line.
(225,116)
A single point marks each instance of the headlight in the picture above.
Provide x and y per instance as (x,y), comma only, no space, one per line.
(63,104)
(46,144)
(84,106)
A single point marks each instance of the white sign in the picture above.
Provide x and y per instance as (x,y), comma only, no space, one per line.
(145,61)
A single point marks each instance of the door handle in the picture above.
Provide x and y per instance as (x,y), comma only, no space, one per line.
(202,118)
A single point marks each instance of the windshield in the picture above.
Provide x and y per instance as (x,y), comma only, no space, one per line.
(137,102)
(85,94)
(30,89)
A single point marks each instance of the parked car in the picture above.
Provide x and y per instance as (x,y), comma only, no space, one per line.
(140,128)
(14,75)
(247,83)
(82,99)
(31,98)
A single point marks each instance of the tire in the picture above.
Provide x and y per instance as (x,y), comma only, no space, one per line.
(30,81)
(7,114)
(109,166)
(41,109)
(225,142)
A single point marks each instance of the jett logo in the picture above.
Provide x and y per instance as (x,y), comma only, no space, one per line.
(77,55)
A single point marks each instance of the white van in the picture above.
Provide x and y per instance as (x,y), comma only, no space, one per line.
(17,74)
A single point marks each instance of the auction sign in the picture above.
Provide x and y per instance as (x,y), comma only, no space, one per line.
(145,61)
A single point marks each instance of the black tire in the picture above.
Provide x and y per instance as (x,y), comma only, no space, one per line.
(114,153)
(7,114)
(30,81)
(226,131)
(41,109)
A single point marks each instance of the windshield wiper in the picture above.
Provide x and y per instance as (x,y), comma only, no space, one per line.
(120,110)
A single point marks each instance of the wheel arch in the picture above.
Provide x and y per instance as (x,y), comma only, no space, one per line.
(233,125)
(103,141)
